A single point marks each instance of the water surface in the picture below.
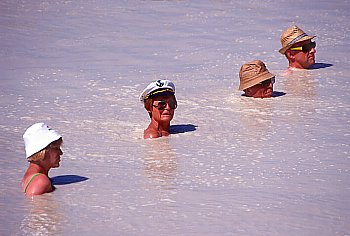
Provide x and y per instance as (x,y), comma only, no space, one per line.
(234,165)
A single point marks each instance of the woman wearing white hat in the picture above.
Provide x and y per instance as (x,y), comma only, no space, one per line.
(160,102)
(43,151)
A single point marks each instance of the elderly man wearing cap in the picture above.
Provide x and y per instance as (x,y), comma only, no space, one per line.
(43,151)
(298,48)
(160,102)
(255,80)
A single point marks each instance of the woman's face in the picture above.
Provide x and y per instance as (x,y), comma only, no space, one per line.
(53,155)
(163,108)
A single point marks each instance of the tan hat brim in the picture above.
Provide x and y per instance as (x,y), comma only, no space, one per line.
(284,49)
(255,80)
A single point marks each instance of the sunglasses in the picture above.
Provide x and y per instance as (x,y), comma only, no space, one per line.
(268,81)
(305,48)
(161,105)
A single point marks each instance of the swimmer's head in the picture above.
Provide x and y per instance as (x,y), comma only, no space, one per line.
(157,88)
(256,80)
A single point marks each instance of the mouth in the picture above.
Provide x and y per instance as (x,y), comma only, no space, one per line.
(312,57)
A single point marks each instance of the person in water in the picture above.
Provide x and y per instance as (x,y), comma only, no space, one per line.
(160,102)
(255,80)
(298,48)
(43,152)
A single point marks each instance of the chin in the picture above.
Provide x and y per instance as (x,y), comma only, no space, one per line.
(311,62)
(166,120)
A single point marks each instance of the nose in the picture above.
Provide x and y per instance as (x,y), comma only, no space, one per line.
(61,153)
(270,84)
(313,50)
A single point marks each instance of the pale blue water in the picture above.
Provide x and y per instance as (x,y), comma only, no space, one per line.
(234,165)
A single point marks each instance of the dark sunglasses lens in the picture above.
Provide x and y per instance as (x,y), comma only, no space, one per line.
(161,105)
(309,46)
(173,104)
(273,80)
(268,81)
(265,82)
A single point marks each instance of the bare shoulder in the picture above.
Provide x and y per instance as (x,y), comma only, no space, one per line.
(39,185)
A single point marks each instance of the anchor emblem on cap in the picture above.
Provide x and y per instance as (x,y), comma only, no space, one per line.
(159,83)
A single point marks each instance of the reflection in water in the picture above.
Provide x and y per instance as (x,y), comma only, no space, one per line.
(160,163)
(299,83)
(255,116)
(42,216)
(161,169)
(301,87)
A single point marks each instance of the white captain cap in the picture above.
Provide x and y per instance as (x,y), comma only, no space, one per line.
(156,88)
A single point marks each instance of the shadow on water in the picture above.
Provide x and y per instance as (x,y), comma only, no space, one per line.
(177,129)
(67,179)
(274,94)
(320,66)
(278,94)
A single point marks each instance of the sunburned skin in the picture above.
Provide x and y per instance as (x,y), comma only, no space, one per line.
(301,59)
(41,183)
(160,121)
(260,90)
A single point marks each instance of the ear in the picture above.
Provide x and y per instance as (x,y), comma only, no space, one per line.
(289,54)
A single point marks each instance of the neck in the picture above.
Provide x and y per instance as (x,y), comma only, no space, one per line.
(295,65)
(160,126)
(37,168)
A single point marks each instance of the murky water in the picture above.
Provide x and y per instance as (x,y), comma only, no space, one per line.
(234,165)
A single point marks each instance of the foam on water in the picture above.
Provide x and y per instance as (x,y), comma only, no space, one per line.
(233,165)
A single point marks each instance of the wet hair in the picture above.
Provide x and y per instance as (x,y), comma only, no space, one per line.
(41,154)
(149,102)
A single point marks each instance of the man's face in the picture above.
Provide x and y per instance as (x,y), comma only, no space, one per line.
(301,59)
(261,90)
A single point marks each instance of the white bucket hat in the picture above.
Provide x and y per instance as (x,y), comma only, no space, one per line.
(157,87)
(38,137)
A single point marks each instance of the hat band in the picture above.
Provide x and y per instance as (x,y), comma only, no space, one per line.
(296,39)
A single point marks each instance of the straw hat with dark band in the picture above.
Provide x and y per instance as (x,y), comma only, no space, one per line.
(291,36)
(252,73)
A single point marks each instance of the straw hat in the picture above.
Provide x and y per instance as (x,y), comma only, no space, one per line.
(38,137)
(291,36)
(253,73)
(156,88)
